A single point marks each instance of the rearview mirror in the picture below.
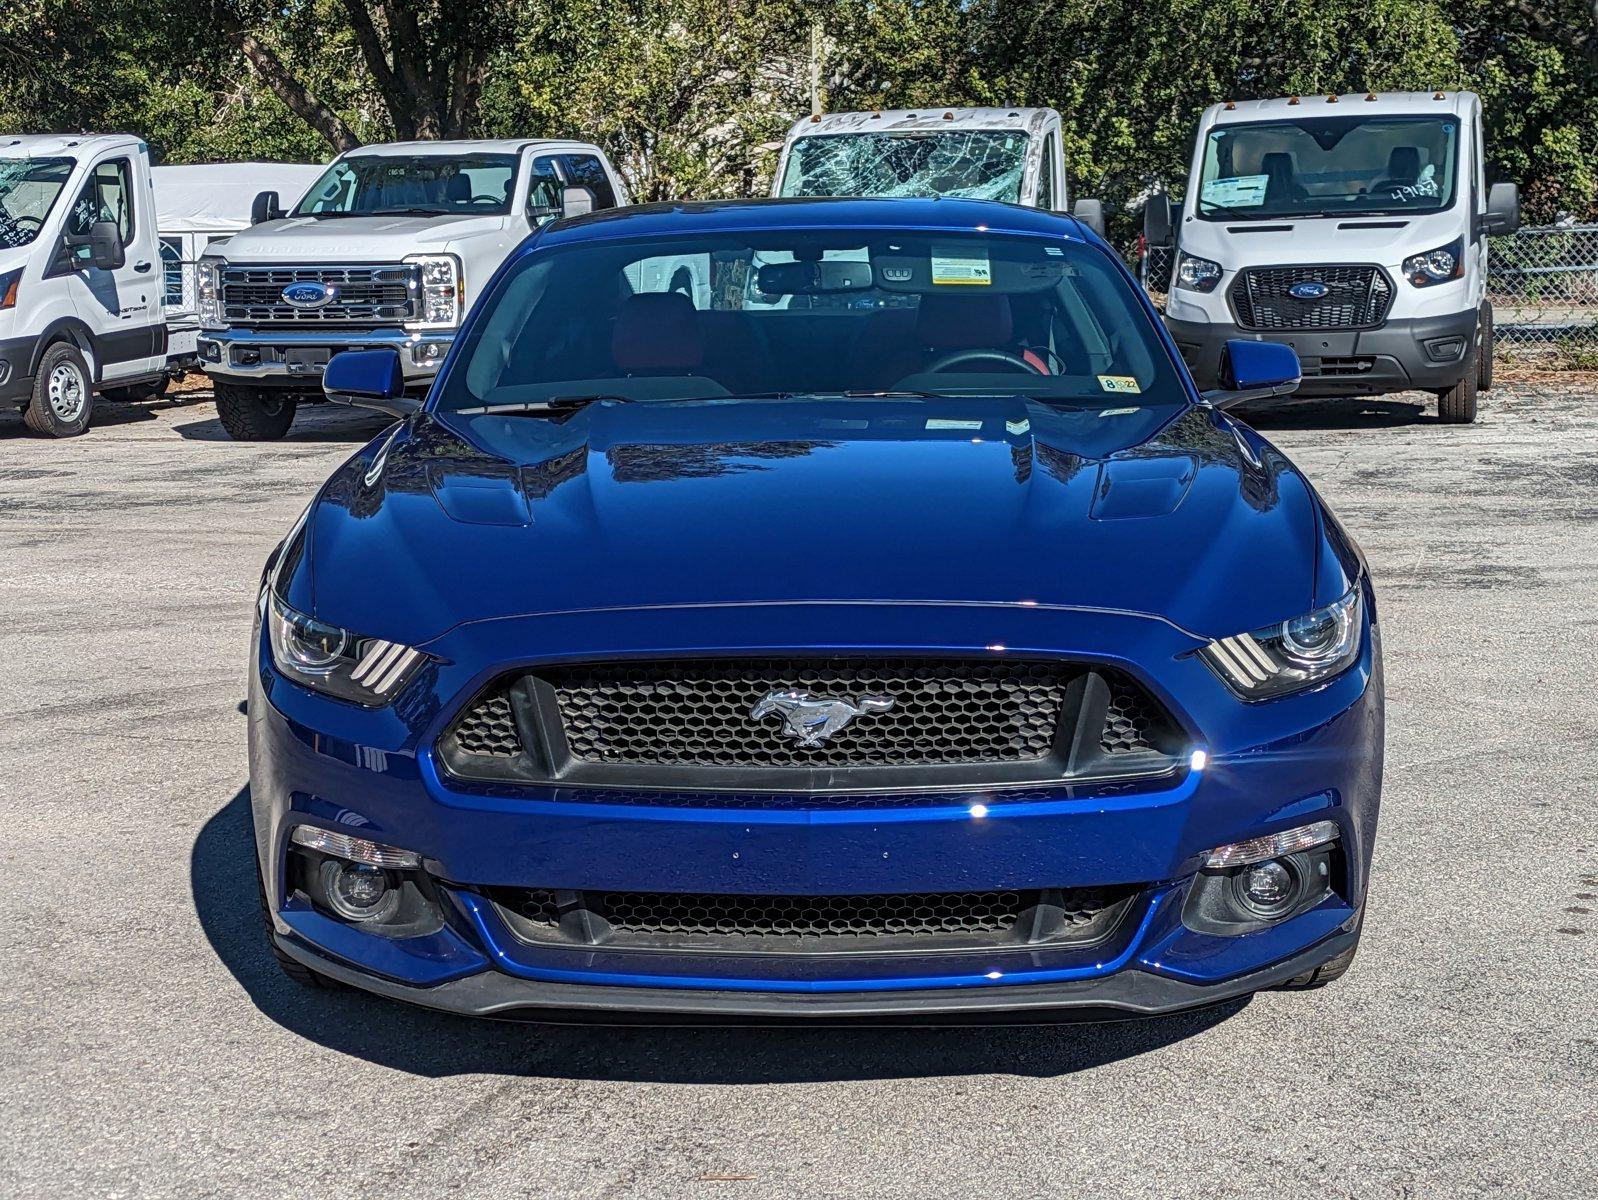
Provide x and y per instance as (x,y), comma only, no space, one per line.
(1503,208)
(105,246)
(1254,371)
(576,200)
(1157,220)
(813,278)
(1091,214)
(369,379)
(264,208)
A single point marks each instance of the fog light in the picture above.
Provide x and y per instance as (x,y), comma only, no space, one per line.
(342,845)
(358,892)
(1445,349)
(1266,885)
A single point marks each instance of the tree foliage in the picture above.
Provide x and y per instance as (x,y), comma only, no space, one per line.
(691,97)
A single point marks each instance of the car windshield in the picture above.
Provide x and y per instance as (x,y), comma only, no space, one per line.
(814,313)
(1328,166)
(365,184)
(28,189)
(982,164)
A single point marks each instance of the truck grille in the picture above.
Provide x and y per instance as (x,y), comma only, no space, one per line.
(363,295)
(1356,298)
(692,724)
(810,924)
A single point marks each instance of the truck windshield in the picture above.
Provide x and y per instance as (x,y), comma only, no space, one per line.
(980,164)
(1328,166)
(28,188)
(365,184)
(810,313)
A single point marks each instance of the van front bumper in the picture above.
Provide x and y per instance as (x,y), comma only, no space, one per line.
(1424,353)
(16,379)
(295,358)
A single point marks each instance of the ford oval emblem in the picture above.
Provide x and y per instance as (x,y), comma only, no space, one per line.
(1310,289)
(309,294)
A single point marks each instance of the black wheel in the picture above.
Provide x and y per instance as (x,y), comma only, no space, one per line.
(134,393)
(1327,972)
(1457,406)
(63,393)
(290,966)
(252,414)
(1485,346)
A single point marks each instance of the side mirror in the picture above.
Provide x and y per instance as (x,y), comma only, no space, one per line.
(105,246)
(576,200)
(264,208)
(369,379)
(1503,208)
(1091,214)
(1157,220)
(1254,371)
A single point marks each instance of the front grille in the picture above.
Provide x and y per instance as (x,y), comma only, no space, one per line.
(1325,366)
(1357,297)
(810,924)
(366,295)
(876,723)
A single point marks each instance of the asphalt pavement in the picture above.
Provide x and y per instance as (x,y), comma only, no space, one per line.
(149,1048)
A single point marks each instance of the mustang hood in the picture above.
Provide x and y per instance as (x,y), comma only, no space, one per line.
(1180,515)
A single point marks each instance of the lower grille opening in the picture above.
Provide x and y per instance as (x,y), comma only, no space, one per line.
(800,924)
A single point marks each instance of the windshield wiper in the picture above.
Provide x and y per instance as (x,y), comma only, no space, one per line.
(559,405)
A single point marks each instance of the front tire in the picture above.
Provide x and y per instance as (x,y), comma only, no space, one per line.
(290,966)
(252,414)
(63,393)
(1457,406)
(1329,971)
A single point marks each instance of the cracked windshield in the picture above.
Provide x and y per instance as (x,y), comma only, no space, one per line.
(1328,165)
(28,187)
(981,164)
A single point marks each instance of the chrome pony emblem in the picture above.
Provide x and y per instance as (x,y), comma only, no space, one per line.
(308,293)
(1310,289)
(811,720)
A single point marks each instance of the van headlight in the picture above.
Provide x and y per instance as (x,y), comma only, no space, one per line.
(1197,274)
(208,293)
(440,291)
(325,658)
(1291,655)
(1436,266)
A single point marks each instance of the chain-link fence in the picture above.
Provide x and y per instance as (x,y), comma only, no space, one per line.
(1542,283)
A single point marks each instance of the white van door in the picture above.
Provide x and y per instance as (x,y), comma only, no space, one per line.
(122,307)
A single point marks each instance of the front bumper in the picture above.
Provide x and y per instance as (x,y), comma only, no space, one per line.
(1271,766)
(295,358)
(1401,355)
(16,378)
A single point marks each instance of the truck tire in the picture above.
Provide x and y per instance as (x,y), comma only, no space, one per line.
(1457,406)
(1488,344)
(251,414)
(63,393)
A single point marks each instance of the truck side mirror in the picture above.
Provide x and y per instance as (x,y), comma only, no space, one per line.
(105,246)
(369,379)
(264,208)
(1091,214)
(1503,208)
(576,200)
(1157,220)
(1254,371)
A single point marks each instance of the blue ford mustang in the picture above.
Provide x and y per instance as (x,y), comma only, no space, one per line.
(804,610)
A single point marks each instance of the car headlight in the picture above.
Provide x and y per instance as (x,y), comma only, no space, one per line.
(441,294)
(1291,655)
(1197,274)
(325,658)
(1436,266)
(208,293)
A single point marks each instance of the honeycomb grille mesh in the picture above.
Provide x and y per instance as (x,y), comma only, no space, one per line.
(699,712)
(1356,298)
(1129,722)
(489,728)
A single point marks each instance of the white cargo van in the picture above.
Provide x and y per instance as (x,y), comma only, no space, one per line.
(1010,154)
(1350,227)
(387,248)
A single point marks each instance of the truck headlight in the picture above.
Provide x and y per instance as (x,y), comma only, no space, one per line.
(1292,655)
(208,293)
(328,659)
(1197,274)
(1436,266)
(441,291)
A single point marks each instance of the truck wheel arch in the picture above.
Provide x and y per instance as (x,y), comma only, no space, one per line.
(67,329)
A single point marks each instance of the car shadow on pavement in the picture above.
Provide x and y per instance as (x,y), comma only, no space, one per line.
(1353,412)
(313,423)
(437,1044)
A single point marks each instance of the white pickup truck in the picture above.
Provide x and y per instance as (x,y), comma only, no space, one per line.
(387,248)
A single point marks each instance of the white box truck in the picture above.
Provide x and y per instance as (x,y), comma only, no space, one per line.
(1010,154)
(387,248)
(1350,227)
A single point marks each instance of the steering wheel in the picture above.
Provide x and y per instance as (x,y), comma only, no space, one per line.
(27,219)
(494,200)
(958,357)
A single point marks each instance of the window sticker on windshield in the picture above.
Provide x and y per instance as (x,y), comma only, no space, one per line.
(1119,383)
(957,265)
(1237,191)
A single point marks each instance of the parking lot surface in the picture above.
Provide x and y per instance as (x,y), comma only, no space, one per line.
(148,1046)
